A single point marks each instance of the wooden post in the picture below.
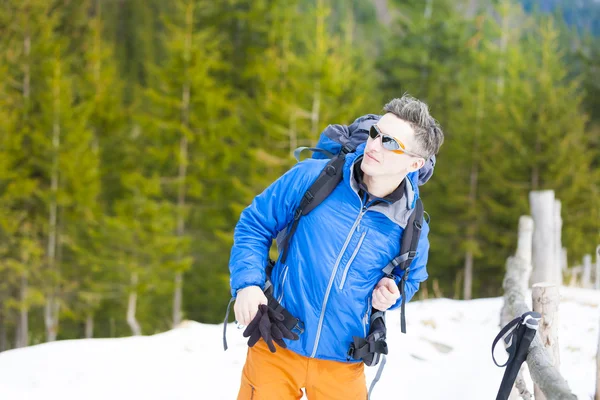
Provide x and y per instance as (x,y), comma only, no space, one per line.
(545,300)
(436,289)
(558,242)
(575,271)
(586,276)
(544,259)
(597,397)
(523,255)
(543,373)
(598,267)
(89,326)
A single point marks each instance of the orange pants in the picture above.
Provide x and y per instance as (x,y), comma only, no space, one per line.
(281,375)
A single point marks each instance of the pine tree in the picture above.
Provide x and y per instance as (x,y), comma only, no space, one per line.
(56,157)
(99,89)
(134,28)
(20,253)
(191,131)
(543,144)
(25,48)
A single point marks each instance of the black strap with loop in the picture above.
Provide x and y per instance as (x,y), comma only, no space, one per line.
(372,349)
(408,252)
(518,335)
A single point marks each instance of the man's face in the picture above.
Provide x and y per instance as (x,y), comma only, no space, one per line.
(379,161)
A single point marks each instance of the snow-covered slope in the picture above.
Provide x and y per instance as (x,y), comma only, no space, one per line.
(445,355)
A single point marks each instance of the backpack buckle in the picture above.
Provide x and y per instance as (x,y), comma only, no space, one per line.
(299,327)
(405,276)
(347,149)
(297,213)
(309,196)
(350,353)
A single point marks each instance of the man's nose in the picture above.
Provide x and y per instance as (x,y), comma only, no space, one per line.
(375,144)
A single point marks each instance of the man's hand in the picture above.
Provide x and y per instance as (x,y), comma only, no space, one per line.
(246,304)
(385,295)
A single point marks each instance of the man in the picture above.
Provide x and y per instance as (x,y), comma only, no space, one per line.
(332,277)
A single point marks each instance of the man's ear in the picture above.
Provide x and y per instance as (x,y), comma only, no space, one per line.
(417,164)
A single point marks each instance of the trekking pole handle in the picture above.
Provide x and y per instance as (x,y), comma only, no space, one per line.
(532,321)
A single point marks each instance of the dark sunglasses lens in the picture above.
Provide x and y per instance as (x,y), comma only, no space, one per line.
(373,132)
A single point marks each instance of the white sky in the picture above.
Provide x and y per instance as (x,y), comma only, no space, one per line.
(445,355)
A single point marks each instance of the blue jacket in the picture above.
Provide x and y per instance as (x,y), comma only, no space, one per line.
(335,257)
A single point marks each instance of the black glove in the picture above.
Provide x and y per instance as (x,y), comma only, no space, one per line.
(268,324)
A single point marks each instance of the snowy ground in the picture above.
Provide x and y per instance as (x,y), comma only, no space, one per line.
(445,355)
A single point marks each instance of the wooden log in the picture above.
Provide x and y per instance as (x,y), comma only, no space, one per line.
(575,271)
(586,276)
(521,391)
(558,242)
(525,239)
(597,397)
(543,373)
(544,261)
(598,267)
(563,259)
(523,253)
(437,293)
(424,291)
(545,300)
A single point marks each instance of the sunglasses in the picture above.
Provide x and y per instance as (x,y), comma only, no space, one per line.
(389,142)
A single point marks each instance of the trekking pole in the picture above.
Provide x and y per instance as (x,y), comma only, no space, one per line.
(518,335)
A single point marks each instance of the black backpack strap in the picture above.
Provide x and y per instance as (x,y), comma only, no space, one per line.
(225,322)
(327,180)
(408,252)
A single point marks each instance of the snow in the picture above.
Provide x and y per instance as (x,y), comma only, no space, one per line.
(445,355)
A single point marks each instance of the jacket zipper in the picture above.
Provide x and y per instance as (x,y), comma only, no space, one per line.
(366,317)
(285,272)
(352,259)
(333,273)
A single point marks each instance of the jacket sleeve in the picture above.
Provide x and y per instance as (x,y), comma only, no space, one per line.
(260,222)
(418,268)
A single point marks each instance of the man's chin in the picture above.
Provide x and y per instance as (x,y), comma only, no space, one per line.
(370,170)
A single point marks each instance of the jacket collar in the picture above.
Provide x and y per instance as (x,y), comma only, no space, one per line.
(359,176)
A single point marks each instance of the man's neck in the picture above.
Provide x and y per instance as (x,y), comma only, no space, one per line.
(382,186)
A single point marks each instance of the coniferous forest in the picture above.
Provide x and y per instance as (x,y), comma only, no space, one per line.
(134,132)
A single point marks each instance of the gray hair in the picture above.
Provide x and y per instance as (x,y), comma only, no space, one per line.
(428,132)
